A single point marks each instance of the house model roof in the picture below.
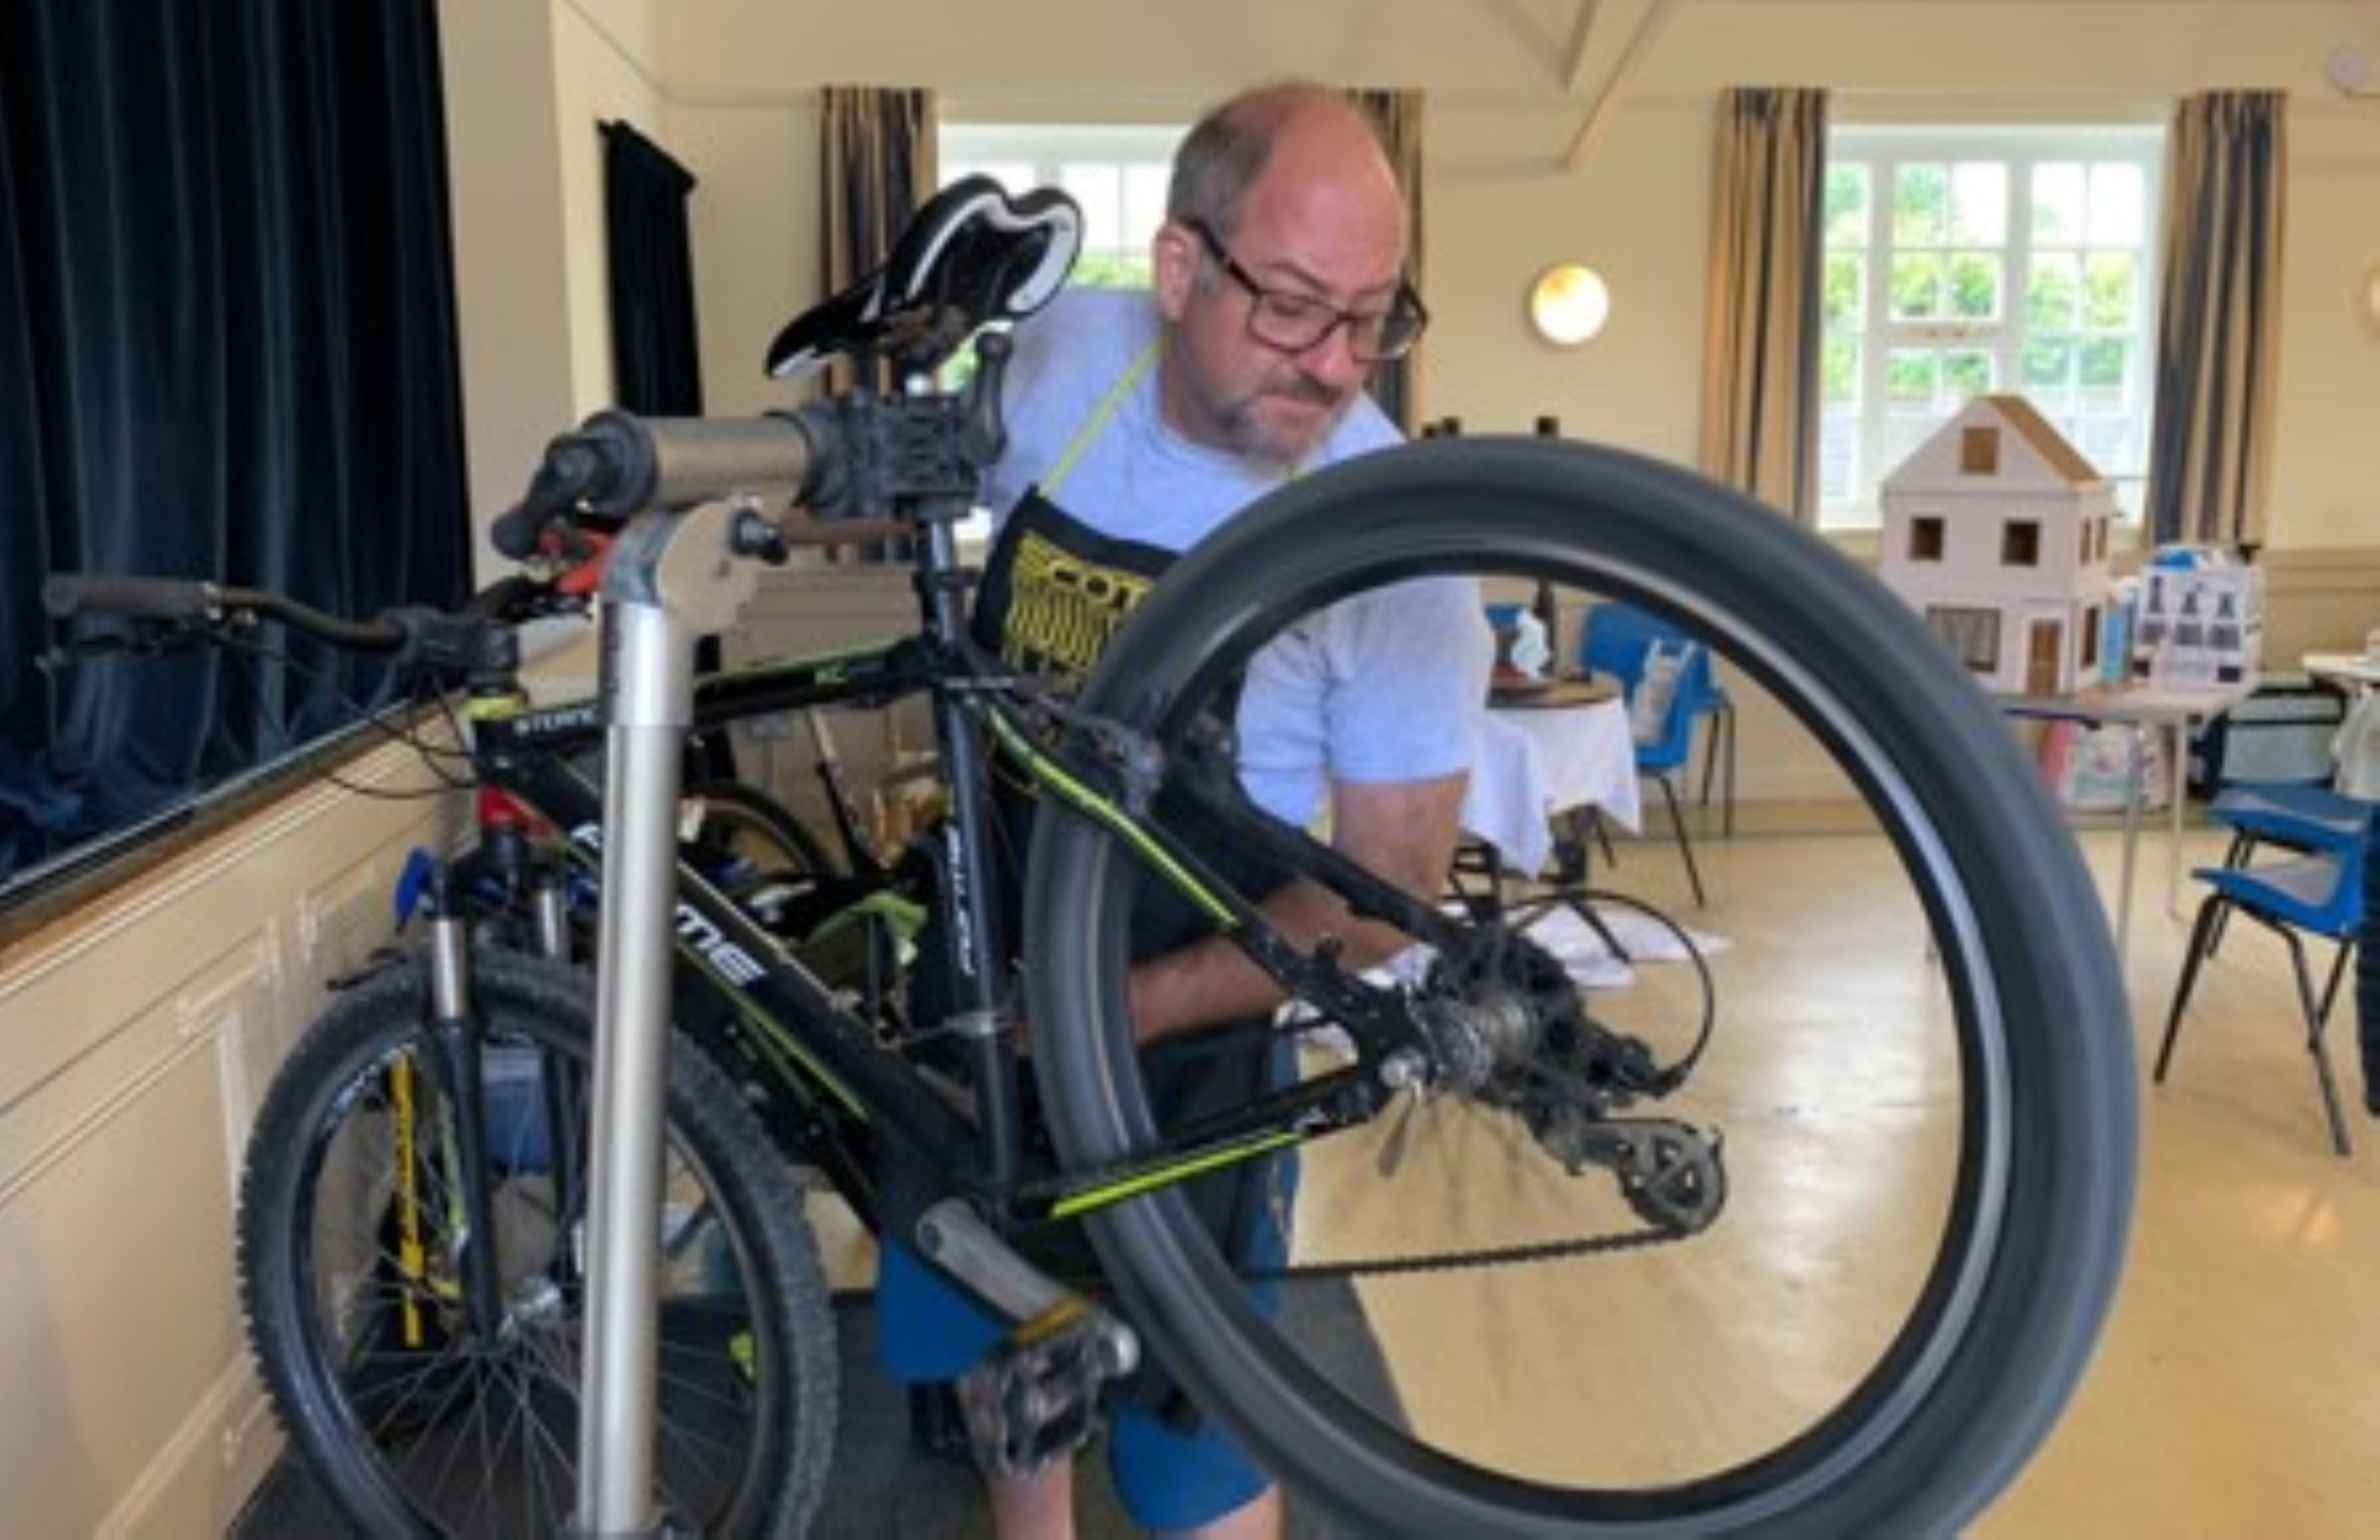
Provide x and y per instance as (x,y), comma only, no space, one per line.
(1941,462)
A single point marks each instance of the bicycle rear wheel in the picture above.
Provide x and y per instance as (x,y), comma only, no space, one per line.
(1928,1156)
(419,1419)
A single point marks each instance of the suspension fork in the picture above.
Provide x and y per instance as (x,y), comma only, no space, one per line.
(458,1045)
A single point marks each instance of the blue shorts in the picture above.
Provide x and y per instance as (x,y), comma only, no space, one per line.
(1167,1478)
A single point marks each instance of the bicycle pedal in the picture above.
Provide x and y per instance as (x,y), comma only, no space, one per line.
(1037,1398)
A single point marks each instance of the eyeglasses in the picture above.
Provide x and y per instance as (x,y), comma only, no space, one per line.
(1294,323)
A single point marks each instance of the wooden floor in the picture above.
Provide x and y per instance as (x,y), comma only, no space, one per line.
(2233,1395)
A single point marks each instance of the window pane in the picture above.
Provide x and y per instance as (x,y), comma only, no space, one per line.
(2052,294)
(1921,197)
(1847,205)
(1837,457)
(1911,376)
(2104,361)
(1839,371)
(1101,192)
(2119,206)
(1979,204)
(1975,286)
(1967,373)
(1144,203)
(1916,287)
(1844,284)
(2048,369)
(2112,286)
(2057,203)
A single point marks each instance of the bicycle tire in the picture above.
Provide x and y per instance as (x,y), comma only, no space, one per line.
(413,1423)
(1996,1269)
(745,822)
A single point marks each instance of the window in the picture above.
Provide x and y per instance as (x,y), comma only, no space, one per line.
(1979,452)
(1965,261)
(1926,538)
(1973,633)
(2020,544)
(1118,174)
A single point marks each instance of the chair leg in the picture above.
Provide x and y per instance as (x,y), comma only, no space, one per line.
(2316,1008)
(2236,854)
(1720,746)
(1685,845)
(2201,940)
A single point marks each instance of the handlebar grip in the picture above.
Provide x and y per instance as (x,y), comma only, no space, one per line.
(65,594)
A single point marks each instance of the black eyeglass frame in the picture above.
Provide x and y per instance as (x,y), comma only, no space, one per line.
(1405,306)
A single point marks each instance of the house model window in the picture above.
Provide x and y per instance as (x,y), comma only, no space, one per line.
(1979,451)
(1925,539)
(2020,544)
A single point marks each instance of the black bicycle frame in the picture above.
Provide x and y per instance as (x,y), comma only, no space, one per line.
(828,1071)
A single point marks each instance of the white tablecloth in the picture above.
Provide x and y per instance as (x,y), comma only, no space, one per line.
(1538,761)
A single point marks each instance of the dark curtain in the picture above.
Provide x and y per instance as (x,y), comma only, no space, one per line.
(227,350)
(656,359)
(656,356)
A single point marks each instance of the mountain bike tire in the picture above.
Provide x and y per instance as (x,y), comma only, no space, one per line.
(1939,1171)
(744,822)
(415,1423)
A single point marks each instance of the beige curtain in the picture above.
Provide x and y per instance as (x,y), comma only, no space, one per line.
(1398,113)
(1760,350)
(2218,327)
(878,166)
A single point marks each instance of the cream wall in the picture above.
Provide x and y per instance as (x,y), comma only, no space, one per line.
(732,86)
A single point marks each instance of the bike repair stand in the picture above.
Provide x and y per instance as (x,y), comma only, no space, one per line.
(670,579)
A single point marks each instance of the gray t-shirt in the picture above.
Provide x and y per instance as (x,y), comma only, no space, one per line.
(1384,686)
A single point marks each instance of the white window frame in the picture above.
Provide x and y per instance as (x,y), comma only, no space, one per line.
(1865,427)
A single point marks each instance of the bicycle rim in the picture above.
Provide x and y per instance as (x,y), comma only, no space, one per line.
(415,1417)
(1929,1153)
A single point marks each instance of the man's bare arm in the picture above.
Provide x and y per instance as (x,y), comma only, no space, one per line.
(1404,831)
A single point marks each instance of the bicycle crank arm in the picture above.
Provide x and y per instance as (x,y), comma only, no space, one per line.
(1671,1173)
(1036,1396)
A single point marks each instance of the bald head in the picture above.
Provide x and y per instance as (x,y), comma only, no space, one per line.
(1293,130)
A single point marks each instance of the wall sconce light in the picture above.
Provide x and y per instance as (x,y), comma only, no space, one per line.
(1569,303)
(2372,297)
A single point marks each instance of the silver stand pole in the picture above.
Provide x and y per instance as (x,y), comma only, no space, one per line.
(669,580)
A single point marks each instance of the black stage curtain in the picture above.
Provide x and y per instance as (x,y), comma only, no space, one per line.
(227,350)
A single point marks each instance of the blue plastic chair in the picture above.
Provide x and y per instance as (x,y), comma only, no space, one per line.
(2319,894)
(2294,815)
(1618,640)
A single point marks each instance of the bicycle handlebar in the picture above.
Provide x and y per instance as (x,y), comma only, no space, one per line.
(189,599)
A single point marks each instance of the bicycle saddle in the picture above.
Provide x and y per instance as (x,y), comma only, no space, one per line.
(973,255)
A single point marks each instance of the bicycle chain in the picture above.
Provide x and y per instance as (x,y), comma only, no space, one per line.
(1468,1261)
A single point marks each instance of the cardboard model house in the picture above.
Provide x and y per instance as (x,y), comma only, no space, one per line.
(1996,530)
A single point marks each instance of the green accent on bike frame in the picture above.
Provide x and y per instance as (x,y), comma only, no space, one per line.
(1047,772)
(592,860)
(1078,1204)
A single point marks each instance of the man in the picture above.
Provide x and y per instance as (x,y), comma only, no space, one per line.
(1138,425)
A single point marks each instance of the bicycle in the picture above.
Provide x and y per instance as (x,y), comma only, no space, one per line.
(1984,1194)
